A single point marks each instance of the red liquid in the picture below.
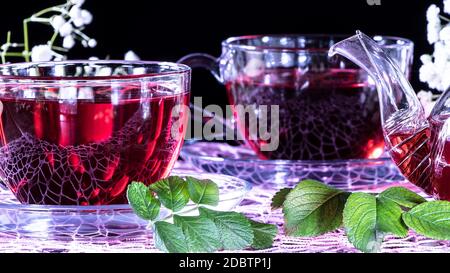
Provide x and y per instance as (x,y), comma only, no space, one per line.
(411,153)
(87,153)
(423,158)
(323,116)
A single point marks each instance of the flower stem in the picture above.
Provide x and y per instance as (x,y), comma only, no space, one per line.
(26,50)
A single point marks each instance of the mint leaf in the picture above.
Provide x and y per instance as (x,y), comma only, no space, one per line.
(279,198)
(142,201)
(200,232)
(169,238)
(313,208)
(402,196)
(172,192)
(431,219)
(203,191)
(360,221)
(235,231)
(263,234)
(389,218)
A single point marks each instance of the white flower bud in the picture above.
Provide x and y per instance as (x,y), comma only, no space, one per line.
(68,42)
(66,29)
(84,43)
(447,6)
(75,12)
(131,56)
(77,2)
(92,43)
(433,30)
(57,22)
(86,16)
(41,53)
(425,58)
(93,58)
(78,22)
(444,34)
(433,13)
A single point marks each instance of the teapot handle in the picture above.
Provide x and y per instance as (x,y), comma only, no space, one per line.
(202,60)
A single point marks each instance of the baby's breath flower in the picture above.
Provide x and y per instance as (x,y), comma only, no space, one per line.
(425,58)
(433,13)
(68,42)
(57,22)
(67,20)
(92,43)
(75,12)
(86,17)
(66,29)
(447,6)
(77,2)
(433,29)
(444,34)
(41,53)
(78,22)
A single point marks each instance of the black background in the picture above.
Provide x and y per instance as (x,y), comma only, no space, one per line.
(167,30)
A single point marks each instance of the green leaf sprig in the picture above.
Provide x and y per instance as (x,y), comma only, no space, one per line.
(210,231)
(313,208)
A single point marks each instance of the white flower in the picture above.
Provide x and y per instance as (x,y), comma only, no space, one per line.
(426,99)
(131,56)
(447,6)
(68,42)
(433,13)
(92,43)
(444,34)
(57,22)
(75,12)
(93,58)
(41,53)
(86,16)
(78,22)
(66,29)
(425,58)
(433,29)
(77,2)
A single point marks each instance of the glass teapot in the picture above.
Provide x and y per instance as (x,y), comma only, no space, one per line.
(419,145)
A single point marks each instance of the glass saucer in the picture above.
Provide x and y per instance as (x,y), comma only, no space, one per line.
(241,161)
(91,222)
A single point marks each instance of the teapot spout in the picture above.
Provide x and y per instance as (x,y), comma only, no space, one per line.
(406,129)
(397,98)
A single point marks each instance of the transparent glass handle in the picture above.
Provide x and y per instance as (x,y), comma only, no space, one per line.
(202,60)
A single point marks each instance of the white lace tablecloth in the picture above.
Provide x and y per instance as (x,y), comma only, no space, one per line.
(257,206)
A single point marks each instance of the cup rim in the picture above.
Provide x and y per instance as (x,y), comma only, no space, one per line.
(173,69)
(231,42)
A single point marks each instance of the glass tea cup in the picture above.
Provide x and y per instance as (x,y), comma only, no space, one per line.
(78,132)
(326,107)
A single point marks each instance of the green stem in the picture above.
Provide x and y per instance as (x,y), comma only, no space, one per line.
(444,18)
(54,36)
(47,10)
(81,34)
(26,50)
(13,54)
(58,48)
